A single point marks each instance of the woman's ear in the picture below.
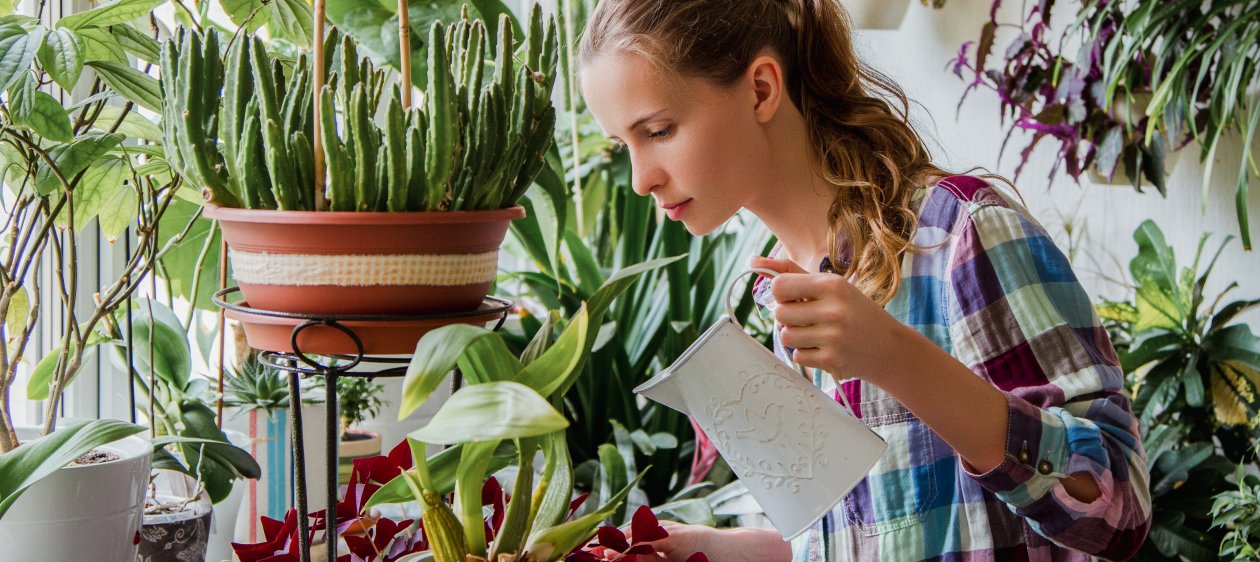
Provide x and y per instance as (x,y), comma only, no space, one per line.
(766,77)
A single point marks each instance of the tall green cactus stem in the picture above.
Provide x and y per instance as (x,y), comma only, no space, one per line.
(194,72)
(396,153)
(340,166)
(440,107)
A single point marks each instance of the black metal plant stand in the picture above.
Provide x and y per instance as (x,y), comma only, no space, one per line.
(299,364)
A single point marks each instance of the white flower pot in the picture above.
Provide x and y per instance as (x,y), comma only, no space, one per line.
(90,512)
(876,14)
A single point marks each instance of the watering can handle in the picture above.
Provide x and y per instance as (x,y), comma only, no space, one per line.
(730,289)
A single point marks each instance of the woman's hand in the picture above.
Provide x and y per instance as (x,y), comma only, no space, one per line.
(830,324)
(719,545)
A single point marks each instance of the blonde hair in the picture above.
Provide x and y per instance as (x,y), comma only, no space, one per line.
(857,118)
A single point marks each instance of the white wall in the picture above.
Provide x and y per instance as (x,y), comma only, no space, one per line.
(917,54)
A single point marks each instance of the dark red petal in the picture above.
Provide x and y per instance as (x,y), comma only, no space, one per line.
(644,527)
(613,538)
(698,557)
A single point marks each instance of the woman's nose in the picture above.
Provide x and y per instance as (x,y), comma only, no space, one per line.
(645,176)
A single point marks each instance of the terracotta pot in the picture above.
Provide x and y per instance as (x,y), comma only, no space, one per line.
(364,263)
(378,338)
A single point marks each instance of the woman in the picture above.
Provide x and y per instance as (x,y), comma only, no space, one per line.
(955,326)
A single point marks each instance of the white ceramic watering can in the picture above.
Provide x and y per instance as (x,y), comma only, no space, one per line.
(797,450)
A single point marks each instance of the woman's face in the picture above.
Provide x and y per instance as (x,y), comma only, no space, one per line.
(693,146)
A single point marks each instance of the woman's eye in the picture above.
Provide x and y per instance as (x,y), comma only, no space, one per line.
(661,134)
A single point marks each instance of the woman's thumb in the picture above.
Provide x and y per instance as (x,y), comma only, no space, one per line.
(780,266)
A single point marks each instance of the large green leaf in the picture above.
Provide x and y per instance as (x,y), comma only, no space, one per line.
(135,42)
(113,13)
(436,354)
(22,97)
(97,187)
(62,56)
(154,323)
(7,7)
(73,158)
(292,21)
(35,460)
(489,359)
(101,45)
(240,12)
(547,543)
(134,85)
(48,118)
(17,49)
(216,462)
(494,410)
(1234,343)
(118,213)
(182,264)
(562,361)
(39,386)
(134,125)
(474,460)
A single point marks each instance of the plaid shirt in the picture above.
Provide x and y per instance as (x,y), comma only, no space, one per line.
(993,291)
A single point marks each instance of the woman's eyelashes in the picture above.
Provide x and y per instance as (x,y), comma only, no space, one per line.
(661,134)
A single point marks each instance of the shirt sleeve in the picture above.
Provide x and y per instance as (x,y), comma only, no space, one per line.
(1020,319)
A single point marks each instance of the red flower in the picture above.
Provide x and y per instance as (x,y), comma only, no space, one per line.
(611,545)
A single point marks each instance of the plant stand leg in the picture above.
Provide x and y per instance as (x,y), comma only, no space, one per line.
(331,459)
(299,469)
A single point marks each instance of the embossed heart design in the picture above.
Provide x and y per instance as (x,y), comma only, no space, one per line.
(768,433)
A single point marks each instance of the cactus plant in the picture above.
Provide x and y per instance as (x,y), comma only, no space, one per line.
(476,143)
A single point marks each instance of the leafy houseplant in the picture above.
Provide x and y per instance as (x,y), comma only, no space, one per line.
(450,171)
(1200,72)
(64,167)
(1238,512)
(1194,373)
(1146,79)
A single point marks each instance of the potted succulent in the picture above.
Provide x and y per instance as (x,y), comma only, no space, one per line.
(70,171)
(408,215)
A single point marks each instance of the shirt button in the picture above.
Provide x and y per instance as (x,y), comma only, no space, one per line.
(1023,454)
(1045,467)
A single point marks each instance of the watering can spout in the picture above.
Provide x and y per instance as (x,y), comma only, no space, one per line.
(664,388)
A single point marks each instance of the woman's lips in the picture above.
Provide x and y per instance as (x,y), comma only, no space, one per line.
(676,211)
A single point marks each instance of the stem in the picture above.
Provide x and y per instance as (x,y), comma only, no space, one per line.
(404,51)
(573,114)
(196,279)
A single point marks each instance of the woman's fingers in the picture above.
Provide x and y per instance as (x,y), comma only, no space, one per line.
(781,266)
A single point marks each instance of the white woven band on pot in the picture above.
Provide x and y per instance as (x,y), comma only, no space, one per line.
(448,270)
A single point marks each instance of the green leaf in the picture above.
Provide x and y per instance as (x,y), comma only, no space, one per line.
(35,460)
(436,354)
(562,362)
(98,187)
(7,7)
(474,460)
(40,383)
(62,57)
(239,12)
(495,410)
(100,45)
(134,85)
(548,543)
(135,42)
(22,97)
(695,511)
(612,477)
(73,158)
(17,49)
(113,13)
(1234,343)
(154,323)
(489,359)
(118,213)
(48,119)
(134,125)
(19,308)
(292,20)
